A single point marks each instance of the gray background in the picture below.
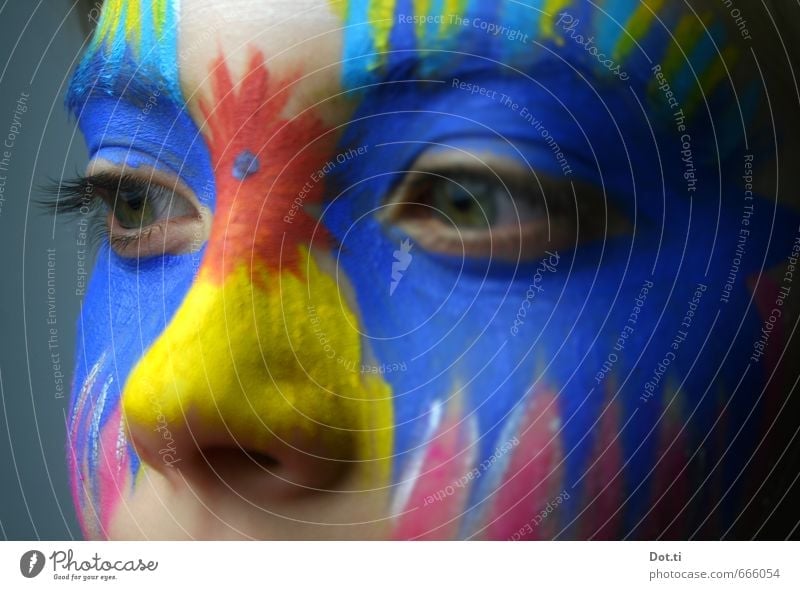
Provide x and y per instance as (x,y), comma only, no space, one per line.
(39,43)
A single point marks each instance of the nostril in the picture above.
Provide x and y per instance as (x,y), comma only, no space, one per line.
(256,474)
(231,458)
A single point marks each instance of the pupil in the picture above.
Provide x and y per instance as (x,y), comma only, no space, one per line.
(462,200)
(131,209)
(134,201)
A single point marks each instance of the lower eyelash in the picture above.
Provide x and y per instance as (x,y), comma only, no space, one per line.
(121,242)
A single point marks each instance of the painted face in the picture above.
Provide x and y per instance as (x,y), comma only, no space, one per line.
(402,269)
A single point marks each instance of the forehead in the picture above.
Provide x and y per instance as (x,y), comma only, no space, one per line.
(561,54)
(335,45)
(300,40)
(338,45)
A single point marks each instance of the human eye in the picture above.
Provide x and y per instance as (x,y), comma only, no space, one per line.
(490,208)
(140,214)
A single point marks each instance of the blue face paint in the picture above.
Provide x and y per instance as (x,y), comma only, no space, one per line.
(246,164)
(451,320)
(131,114)
(492,335)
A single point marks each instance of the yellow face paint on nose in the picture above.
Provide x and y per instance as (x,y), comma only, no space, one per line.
(263,359)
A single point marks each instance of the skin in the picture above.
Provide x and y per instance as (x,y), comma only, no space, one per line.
(241,425)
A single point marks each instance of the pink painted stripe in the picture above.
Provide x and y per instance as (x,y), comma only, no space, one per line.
(671,461)
(113,468)
(437,500)
(525,505)
(604,487)
(765,297)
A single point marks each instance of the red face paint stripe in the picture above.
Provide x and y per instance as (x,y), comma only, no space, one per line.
(264,170)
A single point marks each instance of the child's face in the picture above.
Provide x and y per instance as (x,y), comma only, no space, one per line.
(415,279)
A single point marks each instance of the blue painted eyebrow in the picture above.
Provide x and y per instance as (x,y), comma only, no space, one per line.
(127,84)
(132,55)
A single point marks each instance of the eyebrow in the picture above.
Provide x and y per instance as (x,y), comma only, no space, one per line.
(132,55)
(391,40)
(125,82)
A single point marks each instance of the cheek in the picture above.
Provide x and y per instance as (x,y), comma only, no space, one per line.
(123,313)
(100,460)
(128,303)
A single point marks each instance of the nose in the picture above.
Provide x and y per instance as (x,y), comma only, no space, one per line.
(242,383)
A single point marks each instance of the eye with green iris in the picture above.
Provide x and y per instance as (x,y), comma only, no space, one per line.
(504,211)
(133,208)
(145,216)
(137,203)
(466,202)
(141,214)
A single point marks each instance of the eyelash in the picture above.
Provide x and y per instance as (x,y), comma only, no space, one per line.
(519,215)
(559,196)
(69,197)
(83,195)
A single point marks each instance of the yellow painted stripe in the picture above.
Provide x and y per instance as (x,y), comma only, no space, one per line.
(637,26)
(687,34)
(549,17)
(452,7)
(159,17)
(340,8)
(422,8)
(133,23)
(381,18)
(112,14)
(712,76)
